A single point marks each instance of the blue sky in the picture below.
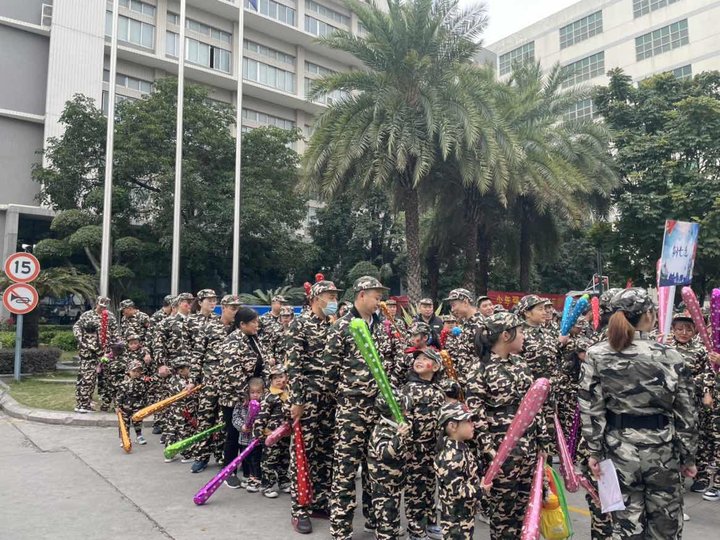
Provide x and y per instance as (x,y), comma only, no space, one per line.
(508,16)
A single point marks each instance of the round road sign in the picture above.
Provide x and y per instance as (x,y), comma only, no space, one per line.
(20,298)
(22,267)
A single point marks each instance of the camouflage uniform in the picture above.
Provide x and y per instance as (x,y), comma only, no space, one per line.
(638,409)
(463,352)
(181,415)
(131,396)
(355,415)
(270,326)
(87,332)
(459,482)
(274,411)
(424,401)
(312,384)
(198,326)
(114,370)
(138,323)
(398,373)
(172,340)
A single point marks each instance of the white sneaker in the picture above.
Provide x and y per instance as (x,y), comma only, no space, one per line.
(686,517)
(141,440)
(82,410)
(187,460)
(434,532)
(270,492)
(170,460)
(285,488)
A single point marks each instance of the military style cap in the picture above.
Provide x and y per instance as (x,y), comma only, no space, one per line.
(180,363)
(459,294)
(127,304)
(547,302)
(278,298)
(168,300)
(528,302)
(206,293)
(277,370)
(102,301)
(481,299)
(605,298)
(230,300)
(182,297)
(681,316)
(632,301)
(431,353)
(420,327)
(368,283)
(454,411)
(426,302)
(323,286)
(131,335)
(448,318)
(135,364)
(499,308)
(286,311)
(501,322)
(391,302)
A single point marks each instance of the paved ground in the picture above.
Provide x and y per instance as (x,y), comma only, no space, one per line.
(66,482)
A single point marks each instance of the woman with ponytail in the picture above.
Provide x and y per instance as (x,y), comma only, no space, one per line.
(495,387)
(637,408)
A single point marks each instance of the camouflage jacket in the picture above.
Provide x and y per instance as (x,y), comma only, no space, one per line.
(184,407)
(354,376)
(276,345)
(207,349)
(137,324)
(157,317)
(240,361)
(139,355)
(269,325)
(131,394)
(599,335)
(274,410)
(87,332)
(541,353)
(172,340)
(647,378)
(425,399)
(463,352)
(494,391)
(308,368)
(388,451)
(197,324)
(701,369)
(458,479)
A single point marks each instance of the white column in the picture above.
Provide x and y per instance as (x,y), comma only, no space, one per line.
(238,151)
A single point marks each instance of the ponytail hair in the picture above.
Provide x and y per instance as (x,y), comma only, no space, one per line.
(621,330)
(485,341)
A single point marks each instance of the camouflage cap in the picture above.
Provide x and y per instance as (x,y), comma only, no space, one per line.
(368,283)
(460,294)
(102,301)
(419,327)
(168,300)
(501,322)
(134,364)
(182,297)
(528,302)
(286,311)
(431,353)
(278,298)
(454,411)
(206,293)
(230,300)
(323,286)
(126,304)
(681,316)
(131,335)
(277,370)
(632,301)
(425,302)
(547,302)
(391,302)
(499,308)
(605,298)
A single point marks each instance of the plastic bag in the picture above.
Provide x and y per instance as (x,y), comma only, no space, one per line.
(552,519)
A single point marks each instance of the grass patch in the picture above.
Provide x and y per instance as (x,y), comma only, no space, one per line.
(67,356)
(40,395)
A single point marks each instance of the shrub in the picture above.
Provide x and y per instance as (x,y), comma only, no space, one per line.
(7,340)
(65,341)
(40,360)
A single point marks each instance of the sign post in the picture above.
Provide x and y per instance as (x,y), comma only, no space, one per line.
(20,298)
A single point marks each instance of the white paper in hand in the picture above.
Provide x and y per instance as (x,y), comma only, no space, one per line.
(611,498)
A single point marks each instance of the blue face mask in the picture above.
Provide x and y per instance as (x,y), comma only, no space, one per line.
(330,309)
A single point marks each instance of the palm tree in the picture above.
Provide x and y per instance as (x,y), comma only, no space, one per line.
(263,298)
(407,108)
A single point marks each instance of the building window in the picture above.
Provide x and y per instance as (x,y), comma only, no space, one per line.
(268,75)
(141,85)
(318,28)
(682,73)
(207,55)
(662,40)
(643,7)
(139,7)
(172,44)
(209,31)
(582,110)
(131,31)
(267,52)
(581,29)
(119,98)
(315,69)
(264,119)
(326,12)
(525,53)
(584,69)
(173,18)
(274,10)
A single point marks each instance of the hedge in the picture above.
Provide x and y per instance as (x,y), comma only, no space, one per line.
(49,331)
(65,341)
(7,340)
(40,360)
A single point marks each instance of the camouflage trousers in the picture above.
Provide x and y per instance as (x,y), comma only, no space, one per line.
(420,488)
(458,527)
(127,418)
(86,380)
(706,443)
(651,486)
(157,392)
(386,484)
(275,463)
(355,418)
(209,414)
(318,426)
(178,423)
(113,376)
(601,525)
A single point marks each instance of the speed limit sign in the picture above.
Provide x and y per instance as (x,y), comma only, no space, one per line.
(22,267)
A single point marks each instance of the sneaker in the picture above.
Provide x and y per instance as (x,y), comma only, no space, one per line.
(434,532)
(198,465)
(82,410)
(141,440)
(187,460)
(170,460)
(302,525)
(253,486)
(232,482)
(285,487)
(369,526)
(270,492)
(157,430)
(686,517)
(712,494)
(162,439)
(244,483)
(699,486)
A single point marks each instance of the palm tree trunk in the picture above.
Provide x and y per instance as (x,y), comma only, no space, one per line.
(411,205)
(484,246)
(471,250)
(525,250)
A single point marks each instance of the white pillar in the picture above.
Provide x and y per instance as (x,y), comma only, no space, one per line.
(235,286)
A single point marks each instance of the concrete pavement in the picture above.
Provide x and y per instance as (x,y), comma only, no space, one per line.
(70,482)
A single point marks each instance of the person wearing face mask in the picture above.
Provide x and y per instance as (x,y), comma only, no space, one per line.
(462,350)
(312,398)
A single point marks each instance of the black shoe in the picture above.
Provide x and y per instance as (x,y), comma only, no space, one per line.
(233,482)
(369,526)
(699,486)
(199,465)
(157,430)
(302,525)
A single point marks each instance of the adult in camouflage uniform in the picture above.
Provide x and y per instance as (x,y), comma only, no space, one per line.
(356,414)
(605,313)
(462,351)
(181,415)
(207,352)
(426,314)
(197,323)
(92,346)
(388,453)
(638,409)
(457,471)
(277,342)
(424,397)
(132,320)
(131,396)
(161,313)
(399,322)
(270,321)
(485,305)
(242,357)
(313,382)
(495,388)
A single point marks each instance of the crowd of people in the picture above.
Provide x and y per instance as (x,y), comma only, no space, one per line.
(648,402)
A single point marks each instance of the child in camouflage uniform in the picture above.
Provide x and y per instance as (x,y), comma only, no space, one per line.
(425,398)
(274,410)
(131,397)
(181,416)
(251,464)
(457,472)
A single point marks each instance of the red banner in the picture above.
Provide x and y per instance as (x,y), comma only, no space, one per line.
(509,299)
